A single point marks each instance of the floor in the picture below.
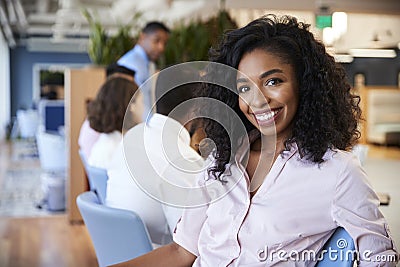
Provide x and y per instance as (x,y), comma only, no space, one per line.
(48,241)
(21,180)
(30,236)
(383,169)
(38,238)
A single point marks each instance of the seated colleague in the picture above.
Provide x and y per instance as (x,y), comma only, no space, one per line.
(292,95)
(124,191)
(88,136)
(137,106)
(106,116)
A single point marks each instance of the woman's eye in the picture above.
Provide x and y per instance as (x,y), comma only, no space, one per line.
(243,89)
(273,82)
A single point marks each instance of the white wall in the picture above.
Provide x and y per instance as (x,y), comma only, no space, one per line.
(4,86)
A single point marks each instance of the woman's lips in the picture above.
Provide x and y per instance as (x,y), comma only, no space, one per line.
(266,117)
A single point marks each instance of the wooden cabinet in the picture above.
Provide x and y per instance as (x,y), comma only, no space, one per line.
(80,85)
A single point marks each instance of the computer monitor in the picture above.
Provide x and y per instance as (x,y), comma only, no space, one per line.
(52,114)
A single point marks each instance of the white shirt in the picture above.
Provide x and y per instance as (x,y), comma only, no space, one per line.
(87,138)
(139,158)
(104,148)
(296,208)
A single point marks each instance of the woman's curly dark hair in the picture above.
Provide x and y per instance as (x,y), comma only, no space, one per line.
(106,112)
(328,112)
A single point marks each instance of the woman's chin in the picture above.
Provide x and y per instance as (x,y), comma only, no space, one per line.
(269,130)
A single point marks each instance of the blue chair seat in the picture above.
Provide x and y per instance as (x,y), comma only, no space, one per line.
(97,178)
(338,251)
(117,235)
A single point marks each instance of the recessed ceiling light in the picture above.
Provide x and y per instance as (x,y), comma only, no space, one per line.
(382,53)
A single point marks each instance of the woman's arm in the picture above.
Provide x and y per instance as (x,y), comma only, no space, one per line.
(356,208)
(171,255)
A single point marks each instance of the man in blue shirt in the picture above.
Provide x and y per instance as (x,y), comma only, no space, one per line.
(150,46)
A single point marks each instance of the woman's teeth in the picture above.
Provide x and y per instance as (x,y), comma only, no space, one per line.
(267,115)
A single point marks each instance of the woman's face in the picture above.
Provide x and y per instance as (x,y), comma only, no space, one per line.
(268,92)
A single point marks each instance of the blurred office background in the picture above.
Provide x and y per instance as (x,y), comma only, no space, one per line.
(45,66)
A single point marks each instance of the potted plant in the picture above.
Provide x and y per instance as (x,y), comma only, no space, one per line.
(192,42)
(104,49)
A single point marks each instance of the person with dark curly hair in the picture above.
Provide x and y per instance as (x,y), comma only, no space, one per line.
(88,136)
(106,115)
(294,179)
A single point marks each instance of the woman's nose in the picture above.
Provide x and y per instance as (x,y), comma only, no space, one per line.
(259,99)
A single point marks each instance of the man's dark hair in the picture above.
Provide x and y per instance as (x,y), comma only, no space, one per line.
(155,26)
(115,68)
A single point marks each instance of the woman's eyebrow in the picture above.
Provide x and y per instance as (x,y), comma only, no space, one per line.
(269,72)
(242,80)
(262,75)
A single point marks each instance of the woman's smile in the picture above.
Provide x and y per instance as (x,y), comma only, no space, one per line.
(267,117)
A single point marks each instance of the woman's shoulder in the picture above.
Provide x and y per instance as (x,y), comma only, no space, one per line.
(341,157)
(346,166)
(336,162)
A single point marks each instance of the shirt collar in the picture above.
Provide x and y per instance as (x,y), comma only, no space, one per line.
(140,50)
(159,121)
(244,147)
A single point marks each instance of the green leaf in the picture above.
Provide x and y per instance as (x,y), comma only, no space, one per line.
(104,49)
(193,41)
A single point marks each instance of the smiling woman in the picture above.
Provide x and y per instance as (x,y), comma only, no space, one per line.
(290,86)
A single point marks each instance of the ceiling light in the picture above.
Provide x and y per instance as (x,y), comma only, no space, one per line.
(339,24)
(328,36)
(382,53)
(343,58)
(339,27)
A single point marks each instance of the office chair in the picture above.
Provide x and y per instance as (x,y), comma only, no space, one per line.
(84,163)
(117,235)
(339,250)
(53,162)
(97,178)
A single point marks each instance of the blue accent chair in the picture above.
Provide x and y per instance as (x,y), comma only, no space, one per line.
(339,250)
(117,235)
(97,178)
